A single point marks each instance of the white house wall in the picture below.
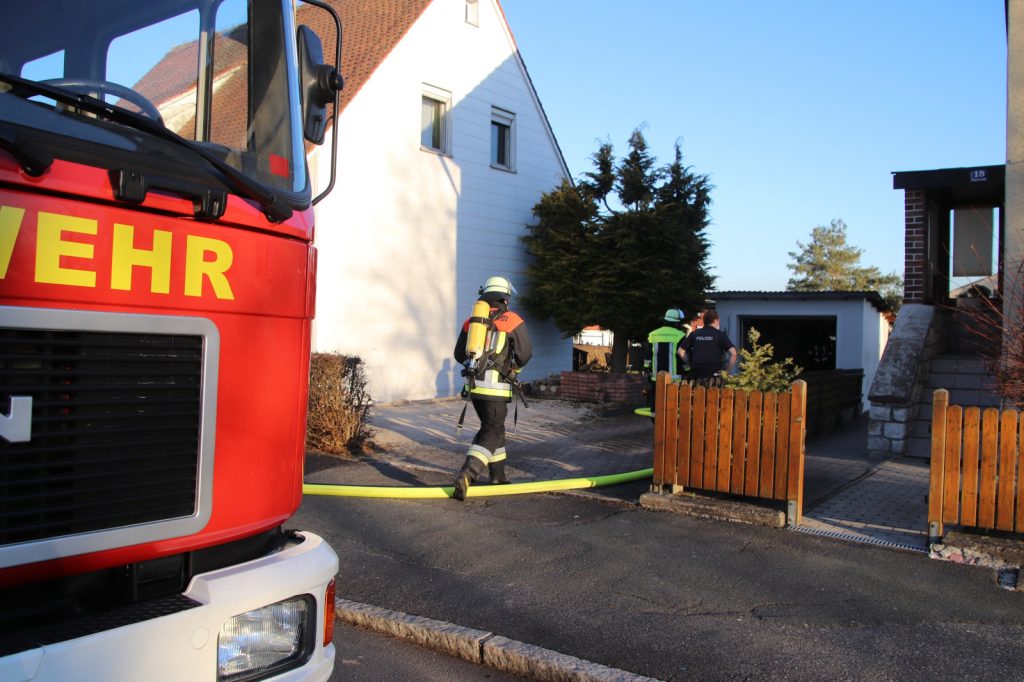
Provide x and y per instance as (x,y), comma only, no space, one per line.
(876,335)
(861,331)
(407,236)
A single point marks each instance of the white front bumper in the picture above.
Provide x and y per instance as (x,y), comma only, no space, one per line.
(183,647)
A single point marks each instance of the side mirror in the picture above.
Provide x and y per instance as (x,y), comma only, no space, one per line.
(318,85)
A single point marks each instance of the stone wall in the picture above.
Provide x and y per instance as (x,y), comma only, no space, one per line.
(903,371)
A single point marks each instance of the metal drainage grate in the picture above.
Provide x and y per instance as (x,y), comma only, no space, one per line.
(857,538)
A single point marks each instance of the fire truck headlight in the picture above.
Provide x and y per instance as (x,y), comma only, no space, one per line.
(267,641)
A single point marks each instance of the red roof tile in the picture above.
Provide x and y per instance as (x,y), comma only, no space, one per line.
(370,30)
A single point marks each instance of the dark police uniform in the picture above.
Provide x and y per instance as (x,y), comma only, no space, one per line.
(704,348)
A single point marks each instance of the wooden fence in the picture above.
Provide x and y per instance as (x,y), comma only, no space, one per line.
(739,442)
(976,464)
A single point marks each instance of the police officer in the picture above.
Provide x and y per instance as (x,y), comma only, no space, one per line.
(663,344)
(490,386)
(704,347)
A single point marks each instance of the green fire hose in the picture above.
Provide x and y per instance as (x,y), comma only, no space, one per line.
(483,490)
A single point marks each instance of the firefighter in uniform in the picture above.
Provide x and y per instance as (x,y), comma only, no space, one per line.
(661,351)
(491,382)
(703,350)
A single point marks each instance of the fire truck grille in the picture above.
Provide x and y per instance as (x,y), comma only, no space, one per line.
(115,431)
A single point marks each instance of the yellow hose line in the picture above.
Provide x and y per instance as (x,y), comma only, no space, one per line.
(481,490)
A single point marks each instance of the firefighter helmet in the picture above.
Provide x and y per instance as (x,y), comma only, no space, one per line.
(499,285)
(674,315)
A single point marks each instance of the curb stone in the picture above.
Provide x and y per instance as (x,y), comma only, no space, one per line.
(446,638)
(478,646)
(724,510)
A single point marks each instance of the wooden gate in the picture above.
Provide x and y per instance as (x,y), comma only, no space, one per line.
(741,442)
(976,464)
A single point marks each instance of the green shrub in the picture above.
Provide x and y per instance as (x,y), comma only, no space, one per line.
(338,403)
(758,369)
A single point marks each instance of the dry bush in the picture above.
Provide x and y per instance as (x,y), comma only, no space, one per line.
(338,403)
(1000,342)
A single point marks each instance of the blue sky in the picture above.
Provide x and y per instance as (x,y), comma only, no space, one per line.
(798,110)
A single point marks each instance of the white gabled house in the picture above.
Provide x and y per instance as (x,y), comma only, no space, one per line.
(443,151)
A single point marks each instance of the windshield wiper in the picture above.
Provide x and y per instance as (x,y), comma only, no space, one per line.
(32,158)
(270,203)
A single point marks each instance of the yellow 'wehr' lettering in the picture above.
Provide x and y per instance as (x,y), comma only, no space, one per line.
(50,247)
(126,256)
(196,266)
(10,225)
(205,259)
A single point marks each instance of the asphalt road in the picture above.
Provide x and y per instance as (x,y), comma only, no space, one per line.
(669,596)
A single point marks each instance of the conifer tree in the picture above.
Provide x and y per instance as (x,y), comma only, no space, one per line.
(620,247)
(828,263)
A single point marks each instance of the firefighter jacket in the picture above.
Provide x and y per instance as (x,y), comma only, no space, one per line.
(509,350)
(664,341)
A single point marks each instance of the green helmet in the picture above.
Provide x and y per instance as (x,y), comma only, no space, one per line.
(674,315)
(499,285)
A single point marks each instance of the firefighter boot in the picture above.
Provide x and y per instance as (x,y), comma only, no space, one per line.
(462,484)
(469,472)
(497,472)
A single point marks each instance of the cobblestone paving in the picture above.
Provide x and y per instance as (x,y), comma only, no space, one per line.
(886,506)
(552,439)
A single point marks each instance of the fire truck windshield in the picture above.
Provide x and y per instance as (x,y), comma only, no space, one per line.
(220,74)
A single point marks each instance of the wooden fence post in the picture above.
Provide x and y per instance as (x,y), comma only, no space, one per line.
(989,460)
(671,408)
(940,401)
(683,435)
(660,417)
(1007,469)
(797,431)
(1019,522)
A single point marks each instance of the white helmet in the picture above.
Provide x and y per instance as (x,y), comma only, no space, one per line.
(498,284)
(674,315)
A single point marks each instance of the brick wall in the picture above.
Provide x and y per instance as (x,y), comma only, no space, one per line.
(915,246)
(602,387)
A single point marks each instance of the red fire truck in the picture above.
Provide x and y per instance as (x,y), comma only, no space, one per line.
(156,293)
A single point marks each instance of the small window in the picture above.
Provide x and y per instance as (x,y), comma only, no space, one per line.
(473,12)
(434,121)
(502,139)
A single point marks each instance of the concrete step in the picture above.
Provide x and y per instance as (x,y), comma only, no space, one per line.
(957,363)
(949,381)
(921,428)
(919,447)
(968,398)
(966,377)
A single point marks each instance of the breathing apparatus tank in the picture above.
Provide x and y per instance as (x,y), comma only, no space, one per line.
(476,338)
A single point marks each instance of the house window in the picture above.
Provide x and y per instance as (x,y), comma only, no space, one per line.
(502,139)
(473,12)
(435,124)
